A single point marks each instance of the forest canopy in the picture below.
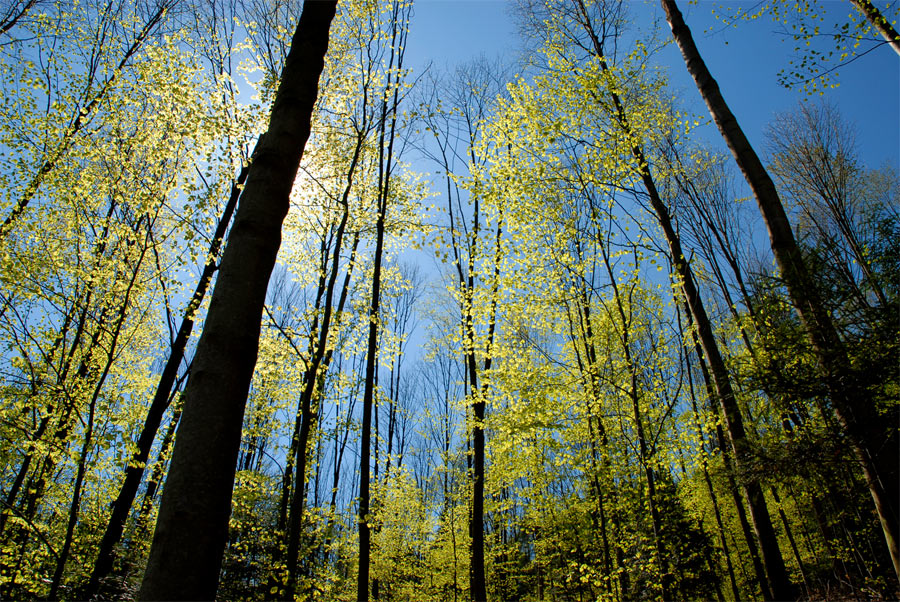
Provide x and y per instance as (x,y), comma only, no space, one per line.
(283,317)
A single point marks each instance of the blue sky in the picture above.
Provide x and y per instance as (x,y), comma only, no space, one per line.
(745,61)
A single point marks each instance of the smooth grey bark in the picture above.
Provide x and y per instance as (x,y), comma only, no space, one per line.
(852,405)
(191,531)
(879,22)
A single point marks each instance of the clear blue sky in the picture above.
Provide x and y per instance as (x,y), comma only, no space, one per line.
(745,60)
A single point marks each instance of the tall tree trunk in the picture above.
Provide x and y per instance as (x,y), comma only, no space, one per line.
(318,366)
(75,506)
(385,166)
(762,523)
(752,545)
(852,406)
(473,101)
(362,585)
(477,577)
(67,406)
(340,447)
(191,531)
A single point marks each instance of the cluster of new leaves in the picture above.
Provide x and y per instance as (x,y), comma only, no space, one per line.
(115,151)
(821,48)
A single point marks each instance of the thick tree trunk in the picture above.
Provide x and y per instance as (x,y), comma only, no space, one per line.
(477,579)
(477,576)
(191,531)
(852,406)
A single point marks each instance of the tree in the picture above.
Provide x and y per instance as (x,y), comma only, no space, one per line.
(470,253)
(594,28)
(100,79)
(160,402)
(852,407)
(190,534)
(86,317)
(881,24)
(400,14)
(595,394)
(815,167)
(820,51)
